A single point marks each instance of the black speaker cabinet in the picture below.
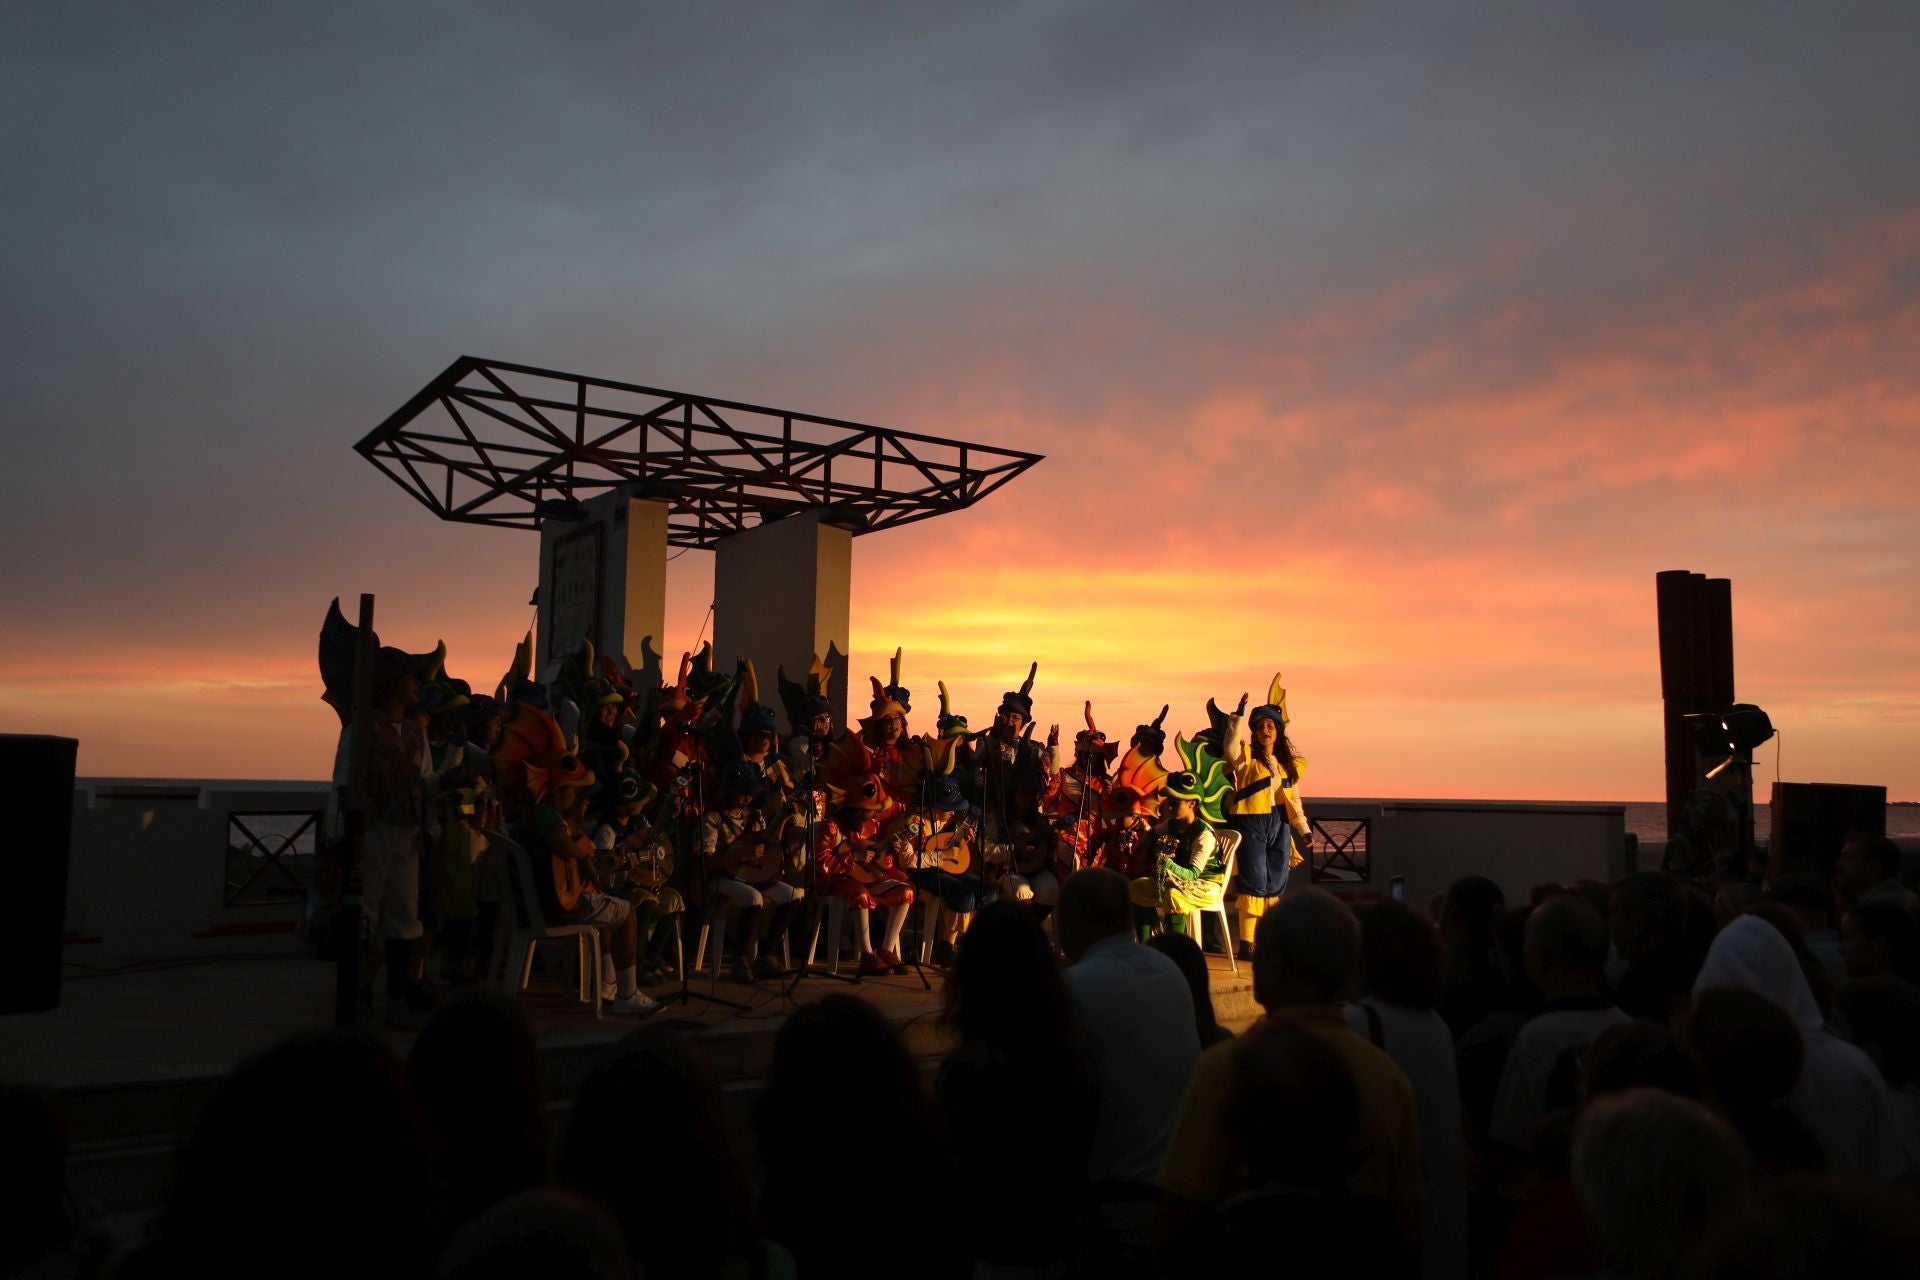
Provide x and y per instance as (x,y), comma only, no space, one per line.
(36,781)
(1812,819)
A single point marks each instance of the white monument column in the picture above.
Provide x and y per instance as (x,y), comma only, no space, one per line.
(603,577)
(781,595)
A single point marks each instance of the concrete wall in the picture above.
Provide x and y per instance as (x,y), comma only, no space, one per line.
(782,593)
(149,864)
(632,582)
(1434,842)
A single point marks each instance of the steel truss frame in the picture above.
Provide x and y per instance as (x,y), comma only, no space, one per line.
(488,442)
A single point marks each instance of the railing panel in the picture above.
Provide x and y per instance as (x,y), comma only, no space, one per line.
(270,855)
(1340,852)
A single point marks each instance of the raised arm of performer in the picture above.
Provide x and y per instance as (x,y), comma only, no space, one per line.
(1264,807)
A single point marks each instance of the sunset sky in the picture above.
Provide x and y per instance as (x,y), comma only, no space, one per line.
(1396,348)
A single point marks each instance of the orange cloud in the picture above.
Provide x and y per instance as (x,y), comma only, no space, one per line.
(1450,551)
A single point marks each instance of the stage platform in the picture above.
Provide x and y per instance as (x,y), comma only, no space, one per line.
(135,1050)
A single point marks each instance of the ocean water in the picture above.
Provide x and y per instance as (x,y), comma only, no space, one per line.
(1648,818)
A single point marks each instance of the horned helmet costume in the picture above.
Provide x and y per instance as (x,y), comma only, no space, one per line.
(805,701)
(755,715)
(1151,738)
(1091,745)
(534,757)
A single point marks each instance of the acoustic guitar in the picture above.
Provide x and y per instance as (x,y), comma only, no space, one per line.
(754,858)
(951,851)
(647,862)
(568,883)
(1033,854)
(863,861)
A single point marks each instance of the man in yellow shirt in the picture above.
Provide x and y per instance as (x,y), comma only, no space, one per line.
(1305,960)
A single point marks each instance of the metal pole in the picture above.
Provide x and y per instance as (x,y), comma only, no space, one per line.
(346,921)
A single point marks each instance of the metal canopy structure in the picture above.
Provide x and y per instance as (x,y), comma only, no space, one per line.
(488,442)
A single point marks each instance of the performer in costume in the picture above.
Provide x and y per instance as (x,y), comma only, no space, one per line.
(399,772)
(679,756)
(794,830)
(1075,797)
(636,861)
(535,759)
(1022,865)
(731,839)
(952,735)
(458,846)
(810,715)
(1035,853)
(1264,807)
(1133,805)
(1151,739)
(755,739)
(862,855)
(1012,771)
(484,720)
(885,733)
(445,904)
(1188,873)
(603,747)
(441,706)
(944,832)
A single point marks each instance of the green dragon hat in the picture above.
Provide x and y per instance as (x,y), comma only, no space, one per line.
(1204,779)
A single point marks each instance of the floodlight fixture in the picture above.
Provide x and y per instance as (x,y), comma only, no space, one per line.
(1730,736)
(1746,726)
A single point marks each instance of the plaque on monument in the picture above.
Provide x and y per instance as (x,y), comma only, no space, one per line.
(574,614)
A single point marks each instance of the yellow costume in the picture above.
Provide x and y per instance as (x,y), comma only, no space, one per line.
(1264,807)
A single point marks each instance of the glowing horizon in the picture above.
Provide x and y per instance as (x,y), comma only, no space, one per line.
(1398,353)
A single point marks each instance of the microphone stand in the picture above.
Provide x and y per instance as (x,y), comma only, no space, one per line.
(811,875)
(686,994)
(918,918)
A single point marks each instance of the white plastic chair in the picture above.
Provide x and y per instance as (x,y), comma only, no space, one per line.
(716,911)
(1229,850)
(832,923)
(530,928)
(679,955)
(929,924)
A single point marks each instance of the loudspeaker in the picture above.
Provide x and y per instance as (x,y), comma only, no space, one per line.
(1812,819)
(37,797)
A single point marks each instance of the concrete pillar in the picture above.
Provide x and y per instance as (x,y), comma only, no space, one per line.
(781,595)
(603,577)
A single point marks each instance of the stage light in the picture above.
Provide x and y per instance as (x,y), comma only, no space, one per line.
(1746,726)
(1730,736)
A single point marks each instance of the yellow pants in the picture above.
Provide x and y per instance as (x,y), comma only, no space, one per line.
(1188,895)
(1249,911)
(953,924)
